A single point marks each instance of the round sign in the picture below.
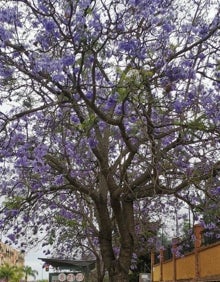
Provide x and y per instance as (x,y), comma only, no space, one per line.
(70,277)
(79,277)
(62,277)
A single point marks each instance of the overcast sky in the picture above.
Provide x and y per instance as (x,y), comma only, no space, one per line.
(31,259)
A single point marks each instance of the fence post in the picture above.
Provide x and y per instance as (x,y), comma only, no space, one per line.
(152,256)
(175,242)
(161,263)
(198,241)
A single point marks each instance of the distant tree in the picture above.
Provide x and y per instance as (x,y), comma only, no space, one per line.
(28,271)
(10,273)
(18,275)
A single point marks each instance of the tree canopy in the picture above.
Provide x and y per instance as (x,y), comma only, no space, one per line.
(109,110)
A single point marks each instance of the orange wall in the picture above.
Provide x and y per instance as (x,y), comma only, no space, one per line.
(209,258)
(185,267)
(156,273)
(209,265)
(168,270)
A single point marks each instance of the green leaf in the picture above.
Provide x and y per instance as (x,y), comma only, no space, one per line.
(13,203)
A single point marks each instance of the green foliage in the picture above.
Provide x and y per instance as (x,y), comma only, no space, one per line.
(88,123)
(10,273)
(13,273)
(196,123)
(28,271)
(13,203)
(65,221)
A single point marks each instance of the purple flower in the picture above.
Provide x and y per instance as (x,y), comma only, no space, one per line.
(4,34)
(74,118)
(201,56)
(12,237)
(159,63)
(216,191)
(128,45)
(59,180)
(58,77)
(111,102)
(5,72)
(40,151)
(89,95)
(10,16)
(68,60)
(92,142)
(118,110)
(176,73)
(203,30)
(178,106)
(49,25)
(167,27)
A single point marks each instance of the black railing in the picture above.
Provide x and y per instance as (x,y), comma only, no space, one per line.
(186,246)
(168,253)
(210,237)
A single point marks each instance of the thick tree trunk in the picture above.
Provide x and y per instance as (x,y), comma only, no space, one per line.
(116,229)
(117,273)
(125,221)
(100,270)
(120,277)
(117,268)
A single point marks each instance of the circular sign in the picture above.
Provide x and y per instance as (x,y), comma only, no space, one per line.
(79,277)
(70,277)
(62,277)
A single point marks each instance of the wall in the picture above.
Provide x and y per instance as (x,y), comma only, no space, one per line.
(185,267)
(202,264)
(210,260)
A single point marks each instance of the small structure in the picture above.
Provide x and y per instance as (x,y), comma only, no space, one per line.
(144,277)
(68,270)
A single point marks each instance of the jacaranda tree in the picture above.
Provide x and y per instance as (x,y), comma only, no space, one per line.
(106,108)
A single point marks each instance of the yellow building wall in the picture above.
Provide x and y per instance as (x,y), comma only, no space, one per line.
(185,267)
(209,259)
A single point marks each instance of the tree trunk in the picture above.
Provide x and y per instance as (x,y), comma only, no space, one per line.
(122,213)
(100,270)
(117,273)
(120,277)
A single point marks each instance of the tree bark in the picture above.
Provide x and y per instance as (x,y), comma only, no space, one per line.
(124,214)
(117,273)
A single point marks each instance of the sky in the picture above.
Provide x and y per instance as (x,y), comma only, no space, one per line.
(32,259)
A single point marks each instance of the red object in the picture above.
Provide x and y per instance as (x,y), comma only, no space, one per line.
(46,266)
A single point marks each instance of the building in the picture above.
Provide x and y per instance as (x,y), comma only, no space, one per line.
(10,255)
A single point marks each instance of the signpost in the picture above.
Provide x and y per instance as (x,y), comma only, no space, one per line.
(69,270)
(70,277)
(79,277)
(62,277)
(66,277)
